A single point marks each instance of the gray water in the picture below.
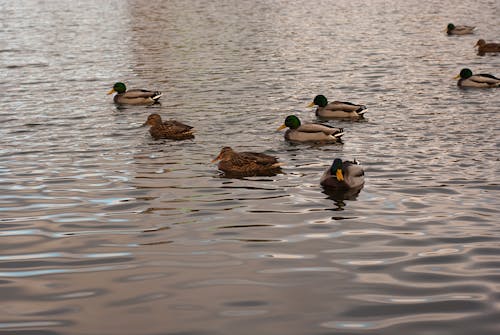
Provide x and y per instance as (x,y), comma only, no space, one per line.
(104,230)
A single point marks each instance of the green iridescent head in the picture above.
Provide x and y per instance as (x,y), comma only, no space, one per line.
(450,27)
(291,122)
(336,169)
(465,73)
(120,87)
(320,100)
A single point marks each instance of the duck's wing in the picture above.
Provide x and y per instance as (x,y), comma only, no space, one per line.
(317,128)
(463,30)
(353,169)
(136,93)
(259,158)
(177,125)
(345,106)
(354,174)
(485,78)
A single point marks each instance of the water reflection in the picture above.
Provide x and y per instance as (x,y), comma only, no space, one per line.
(100,223)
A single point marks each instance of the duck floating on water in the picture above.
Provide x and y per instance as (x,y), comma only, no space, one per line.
(481,80)
(483,47)
(133,97)
(310,132)
(343,176)
(451,29)
(245,164)
(337,109)
(170,129)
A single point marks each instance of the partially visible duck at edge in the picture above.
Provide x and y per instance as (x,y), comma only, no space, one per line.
(170,129)
(483,47)
(337,109)
(482,80)
(310,132)
(133,97)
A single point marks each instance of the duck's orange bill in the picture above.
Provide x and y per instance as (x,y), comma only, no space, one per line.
(340,176)
(112,91)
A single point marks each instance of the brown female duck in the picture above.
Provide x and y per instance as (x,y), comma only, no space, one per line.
(170,129)
(483,47)
(247,163)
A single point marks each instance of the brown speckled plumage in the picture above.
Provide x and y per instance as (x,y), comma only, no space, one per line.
(169,129)
(247,163)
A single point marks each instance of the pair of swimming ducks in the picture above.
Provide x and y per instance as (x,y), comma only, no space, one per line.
(482,46)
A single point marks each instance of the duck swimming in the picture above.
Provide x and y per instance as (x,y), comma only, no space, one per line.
(133,97)
(343,175)
(337,109)
(451,29)
(482,80)
(170,129)
(309,132)
(483,47)
(240,164)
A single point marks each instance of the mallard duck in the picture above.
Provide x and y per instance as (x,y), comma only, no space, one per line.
(337,109)
(170,129)
(247,163)
(451,29)
(343,175)
(133,97)
(483,47)
(482,80)
(309,132)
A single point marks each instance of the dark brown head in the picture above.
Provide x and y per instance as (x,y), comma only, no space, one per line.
(225,154)
(153,120)
(480,43)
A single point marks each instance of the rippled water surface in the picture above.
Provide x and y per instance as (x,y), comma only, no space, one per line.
(104,230)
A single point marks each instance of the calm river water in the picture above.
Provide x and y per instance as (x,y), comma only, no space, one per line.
(104,230)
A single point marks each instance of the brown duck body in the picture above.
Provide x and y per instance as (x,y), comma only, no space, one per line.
(170,129)
(247,163)
(483,47)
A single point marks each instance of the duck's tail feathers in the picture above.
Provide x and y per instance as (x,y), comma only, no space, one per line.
(361,110)
(339,134)
(157,95)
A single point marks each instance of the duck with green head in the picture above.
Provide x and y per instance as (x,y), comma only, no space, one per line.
(343,175)
(337,109)
(133,97)
(452,29)
(245,164)
(310,132)
(481,80)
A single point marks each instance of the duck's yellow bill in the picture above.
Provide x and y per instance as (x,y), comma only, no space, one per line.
(340,176)
(112,91)
(457,76)
(283,126)
(311,104)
